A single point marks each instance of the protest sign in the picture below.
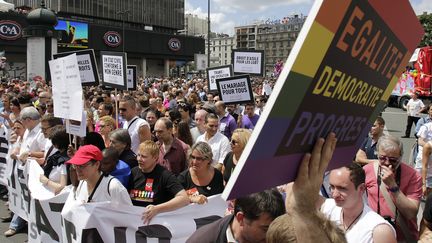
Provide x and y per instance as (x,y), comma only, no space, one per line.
(200,62)
(66,88)
(77,128)
(86,65)
(340,73)
(131,77)
(4,153)
(235,90)
(248,62)
(114,69)
(216,73)
(104,222)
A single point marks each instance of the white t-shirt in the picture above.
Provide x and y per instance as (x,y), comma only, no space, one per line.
(57,172)
(133,130)
(424,132)
(116,193)
(219,144)
(362,230)
(414,107)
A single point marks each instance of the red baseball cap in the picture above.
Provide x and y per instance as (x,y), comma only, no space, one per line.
(85,154)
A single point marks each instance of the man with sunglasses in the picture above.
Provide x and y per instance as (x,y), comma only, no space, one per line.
(394,189)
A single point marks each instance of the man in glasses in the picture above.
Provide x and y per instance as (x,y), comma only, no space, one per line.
(347,210)
(138,128)
(394,189)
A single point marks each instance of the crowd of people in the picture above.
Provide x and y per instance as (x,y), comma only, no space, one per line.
(172,142)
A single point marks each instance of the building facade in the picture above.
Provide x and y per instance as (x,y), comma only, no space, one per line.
(146,30)
(275,37)
(221,48)
(195,26)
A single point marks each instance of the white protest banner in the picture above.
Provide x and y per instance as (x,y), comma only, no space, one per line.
(131,77)
(216,73)
(86,64)
(235,90)
(102,222)
(4,154)
(66,88)
(248,62)
(77,128)
(114,69)
(19,194)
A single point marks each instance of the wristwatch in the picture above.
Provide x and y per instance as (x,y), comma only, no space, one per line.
(394,189)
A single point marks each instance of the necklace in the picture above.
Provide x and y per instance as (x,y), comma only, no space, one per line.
(352,223)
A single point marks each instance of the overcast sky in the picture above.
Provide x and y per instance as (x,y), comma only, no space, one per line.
(225,14)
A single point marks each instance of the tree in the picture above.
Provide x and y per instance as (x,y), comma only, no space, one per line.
(426,21)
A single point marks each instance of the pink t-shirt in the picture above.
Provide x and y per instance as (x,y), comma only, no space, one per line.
(410,186)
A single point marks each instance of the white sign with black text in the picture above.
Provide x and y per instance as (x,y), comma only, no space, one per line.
(234,90)
(77,128)
(114,69)
(131,77)
(66,88)
(217,73)
(250,62)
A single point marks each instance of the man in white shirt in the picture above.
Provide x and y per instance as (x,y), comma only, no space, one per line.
(414,107)
(33,146)
(218,142)
(200,124)
(347,210)
(138,128)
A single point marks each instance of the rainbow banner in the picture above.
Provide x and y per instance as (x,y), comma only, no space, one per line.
(340,73)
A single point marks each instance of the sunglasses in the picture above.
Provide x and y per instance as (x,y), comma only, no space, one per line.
(234,142)
(122,109)
(392,160)
(82,166)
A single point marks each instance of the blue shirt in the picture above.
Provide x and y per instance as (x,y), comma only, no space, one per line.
(122,172)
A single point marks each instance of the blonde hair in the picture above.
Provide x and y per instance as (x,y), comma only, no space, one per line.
(150,147)
(283,229)
(243,136)
(109,121)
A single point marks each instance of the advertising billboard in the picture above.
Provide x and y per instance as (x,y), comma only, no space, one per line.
(73,34)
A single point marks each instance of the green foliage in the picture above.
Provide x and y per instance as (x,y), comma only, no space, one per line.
(426,21)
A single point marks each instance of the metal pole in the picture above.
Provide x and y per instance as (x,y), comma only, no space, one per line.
(208,35)
(123,28)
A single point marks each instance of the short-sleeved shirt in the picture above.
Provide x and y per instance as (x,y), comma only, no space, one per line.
(410,185)
(227,125)
(133,127)
(219,144)
(214,187)
(122,172)
(116,192)
(175,159)
(156,187)
(249,122)
(414,107)
(369,147)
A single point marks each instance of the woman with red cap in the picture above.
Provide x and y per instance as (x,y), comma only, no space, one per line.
(93,186)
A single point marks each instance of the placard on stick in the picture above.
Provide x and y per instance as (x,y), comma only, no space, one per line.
(248,62)
(114,69)
(235,90)
(131,77)
(66,87)
(216,73)
(338,76)
(86,65)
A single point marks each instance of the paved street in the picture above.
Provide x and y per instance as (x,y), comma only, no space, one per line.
(395,124)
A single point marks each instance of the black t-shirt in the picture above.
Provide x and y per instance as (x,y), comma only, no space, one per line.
(427,212)
(154,188)
(214,187)
(229,166)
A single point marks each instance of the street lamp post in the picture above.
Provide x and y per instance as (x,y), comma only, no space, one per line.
(123,13)
(208,35)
